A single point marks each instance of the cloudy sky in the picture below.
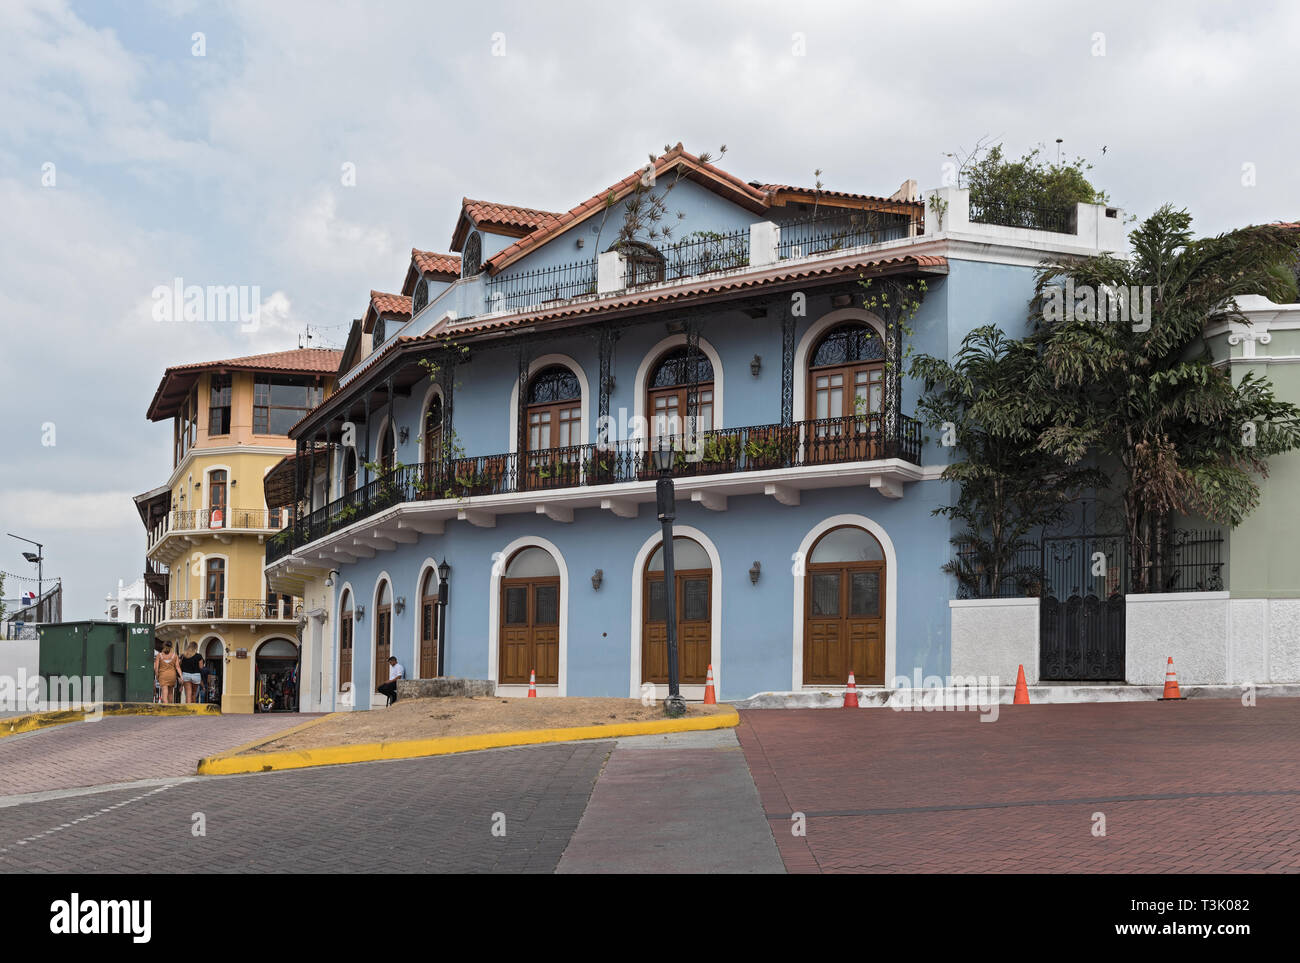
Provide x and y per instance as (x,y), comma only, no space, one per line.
(126,161)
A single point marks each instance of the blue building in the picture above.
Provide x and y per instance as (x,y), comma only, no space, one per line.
(501,412)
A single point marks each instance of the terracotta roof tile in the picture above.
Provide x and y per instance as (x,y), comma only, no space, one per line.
(824,267)
(509,215)
(822,192)
(745,193)
(427,262)
(390,303)
(179,379)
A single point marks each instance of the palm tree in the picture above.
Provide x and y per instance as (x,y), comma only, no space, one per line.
(1185,438)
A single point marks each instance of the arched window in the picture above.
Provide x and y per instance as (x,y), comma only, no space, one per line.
(554,409)
(380,332)
(429,624)
(433,434)
(383,631)
(349,470)
(846,377)
(387,447)
(668,397)
(135,613)
(345,641)
(215,588)
(530,619)
(419,297)
(471,257)
(693,595)
(217,499)
(645,265)
(844,616)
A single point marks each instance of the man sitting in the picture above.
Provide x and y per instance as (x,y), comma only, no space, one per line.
(395,672)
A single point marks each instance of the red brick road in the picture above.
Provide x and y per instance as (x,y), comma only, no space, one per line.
(1198,786)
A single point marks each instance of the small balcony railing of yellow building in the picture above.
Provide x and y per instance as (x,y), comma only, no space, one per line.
(218,520)
(230,609)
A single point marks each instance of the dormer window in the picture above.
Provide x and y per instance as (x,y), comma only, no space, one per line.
(471,258)
(378,337)
(419,297)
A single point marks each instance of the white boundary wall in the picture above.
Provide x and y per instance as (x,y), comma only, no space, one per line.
(994,637)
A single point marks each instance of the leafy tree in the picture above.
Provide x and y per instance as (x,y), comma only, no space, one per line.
(1009,487)
(1185,438)
(1030,182)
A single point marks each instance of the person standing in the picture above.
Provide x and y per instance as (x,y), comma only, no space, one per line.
(395,672)
(191,663)
(167,670)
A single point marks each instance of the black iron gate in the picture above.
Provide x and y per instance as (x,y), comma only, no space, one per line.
(1081,617)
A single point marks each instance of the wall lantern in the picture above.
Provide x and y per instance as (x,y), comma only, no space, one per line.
(399,604)
(754,573)
(403,434)
(360,612)
(329,579)
(597,577)
(756,366)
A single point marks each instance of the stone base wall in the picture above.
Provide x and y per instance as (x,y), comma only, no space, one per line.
(444,687)
(994,637)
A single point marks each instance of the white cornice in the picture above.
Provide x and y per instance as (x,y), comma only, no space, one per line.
(195,453)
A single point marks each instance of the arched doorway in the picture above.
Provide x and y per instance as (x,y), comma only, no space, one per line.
(432,438)
(387,448)
(668,394)
(383,631)
(553,435)
(276,686)
(844,609)
(349,471)
(846,372)
(217,512)
(214,661)
(530,619)
(345,642)
(693,575)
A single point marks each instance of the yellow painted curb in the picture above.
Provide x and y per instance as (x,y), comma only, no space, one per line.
(271,738)
(57,717)
(226,765)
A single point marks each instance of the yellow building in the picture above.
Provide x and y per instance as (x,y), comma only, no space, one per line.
(208,525)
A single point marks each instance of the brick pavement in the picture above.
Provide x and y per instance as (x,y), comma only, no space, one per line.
(1204,786)
(420,815)
(123,748)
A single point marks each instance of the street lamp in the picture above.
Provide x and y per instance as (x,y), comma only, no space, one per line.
(444,571)
(37,558)
(666,503)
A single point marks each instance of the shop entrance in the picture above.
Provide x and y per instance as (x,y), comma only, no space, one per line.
(215,663)
(276,685)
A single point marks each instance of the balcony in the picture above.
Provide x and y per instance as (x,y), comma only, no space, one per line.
(229,609)
(781,453)
(190,524)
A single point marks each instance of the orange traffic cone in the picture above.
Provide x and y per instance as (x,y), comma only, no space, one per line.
(532,683)
(851,693)
(1172,694)
(1022,690)
(710,699)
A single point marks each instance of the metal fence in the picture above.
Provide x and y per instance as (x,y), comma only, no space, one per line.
(530,289)
(1060,220)
(828,233)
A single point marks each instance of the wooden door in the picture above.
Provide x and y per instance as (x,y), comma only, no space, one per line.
(217,513)
(383,642)
(345,650)
(844,405)
(429,628)
(554,440)
(530,631)
(844,624)
(694,597)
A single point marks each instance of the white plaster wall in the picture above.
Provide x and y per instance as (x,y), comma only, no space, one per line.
(19,654)
(1190,626)
(1247,634)
(994,637)
(1283,640)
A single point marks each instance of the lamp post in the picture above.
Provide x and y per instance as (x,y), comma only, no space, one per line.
(666,503)
(38,557)
(444,570)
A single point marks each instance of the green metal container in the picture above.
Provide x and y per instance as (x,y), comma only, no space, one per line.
(121,653)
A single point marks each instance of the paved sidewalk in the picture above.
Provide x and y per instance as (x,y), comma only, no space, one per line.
(1205,786)
(123,748)
(674,804)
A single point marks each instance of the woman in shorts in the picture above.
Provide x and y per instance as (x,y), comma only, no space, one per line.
(191,663)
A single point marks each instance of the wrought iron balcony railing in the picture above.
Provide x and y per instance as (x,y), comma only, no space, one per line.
(259,610)
(219,519)
(833,232)
(756,448)
(1061,220)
